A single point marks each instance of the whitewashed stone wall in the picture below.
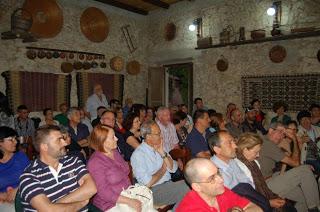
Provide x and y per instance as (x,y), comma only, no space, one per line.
(219,88)
(13,52)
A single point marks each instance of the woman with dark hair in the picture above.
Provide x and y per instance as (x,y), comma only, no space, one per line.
(6,115)
(109,170)
(280,108)
(179,120)
(12,164)
(141,110)
(132,135)
(48,118)
(150,114)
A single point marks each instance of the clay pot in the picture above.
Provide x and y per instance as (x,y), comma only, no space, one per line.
(103,65)
(56,54)
(86,65)
(62,55)
(81,56)
(66,67)
(41,54)
(94,64)
(77,65)
(258,34)
(31,54)
(71,55)
(48,55)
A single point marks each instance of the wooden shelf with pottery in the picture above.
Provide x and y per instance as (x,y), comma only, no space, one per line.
(267,39)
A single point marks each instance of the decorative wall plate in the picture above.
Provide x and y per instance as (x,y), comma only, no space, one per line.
(133,67)
(170,31)
(116,63)
(94,24)
(47,17)
(277,54)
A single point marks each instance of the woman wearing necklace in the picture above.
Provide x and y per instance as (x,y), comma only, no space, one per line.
(132,135)
(12,164)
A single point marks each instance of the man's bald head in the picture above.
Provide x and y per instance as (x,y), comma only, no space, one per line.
(195,168)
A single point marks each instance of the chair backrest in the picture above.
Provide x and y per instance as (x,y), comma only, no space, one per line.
(17,202)
(184,154)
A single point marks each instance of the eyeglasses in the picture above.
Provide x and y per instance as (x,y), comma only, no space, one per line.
(213,178)
(12,139)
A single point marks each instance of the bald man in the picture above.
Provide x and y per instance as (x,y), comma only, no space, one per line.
(208,192)
(97,99)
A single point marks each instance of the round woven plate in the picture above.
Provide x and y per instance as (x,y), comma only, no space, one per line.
(133,67)
(94,24)
(116,63)
(277,54)
(47,17)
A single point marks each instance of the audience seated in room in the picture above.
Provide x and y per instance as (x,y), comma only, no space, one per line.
(208,192)
(315,114)
(198,104)
(223,146)
(141,110)
(62,117)
(48,118)
(234,126)
(297,184)
(230,107)
(12,164)
(179,120)
(189,123)
(152,166)
(260,115)
(250,124)
(109,170)
(84,119)
(127,106)
(55,181)
(196,140)
(217,122)
(100,111)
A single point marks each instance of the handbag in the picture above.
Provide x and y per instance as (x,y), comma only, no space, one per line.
(139,192)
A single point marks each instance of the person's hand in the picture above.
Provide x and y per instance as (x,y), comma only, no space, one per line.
(277,203)
(159,147)
(292,136)
(180,164)
(135,204)
(83,143)
(11,194)
(3,197)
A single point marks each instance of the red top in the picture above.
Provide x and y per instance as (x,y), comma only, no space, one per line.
(192,202)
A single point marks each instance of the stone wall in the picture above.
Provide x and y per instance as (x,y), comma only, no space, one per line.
(13,52)
(219,88)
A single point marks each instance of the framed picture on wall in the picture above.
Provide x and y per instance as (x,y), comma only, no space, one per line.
(179,84)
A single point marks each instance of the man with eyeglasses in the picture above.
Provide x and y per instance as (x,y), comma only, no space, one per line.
(152,166)
(55,181)
(208,192)
(297,184)
(224,147)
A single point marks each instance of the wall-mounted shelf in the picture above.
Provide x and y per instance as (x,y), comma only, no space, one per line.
(267,39)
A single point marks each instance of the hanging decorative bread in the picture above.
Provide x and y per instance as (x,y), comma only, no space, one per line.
(170,31)
(47,17)
(277,54)
(133,67)
(116,63)
(94,24)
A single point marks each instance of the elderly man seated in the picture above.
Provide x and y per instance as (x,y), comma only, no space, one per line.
(55,181)
(208,192)
(152,167)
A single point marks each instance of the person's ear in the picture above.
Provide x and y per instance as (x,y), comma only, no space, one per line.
(216,149)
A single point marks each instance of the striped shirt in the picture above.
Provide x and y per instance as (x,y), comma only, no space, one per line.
(39,179)
(169,135)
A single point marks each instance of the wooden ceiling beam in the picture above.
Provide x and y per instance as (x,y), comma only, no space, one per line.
(124,6)
(158,3)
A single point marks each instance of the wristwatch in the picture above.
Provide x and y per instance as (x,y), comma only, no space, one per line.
(165,155)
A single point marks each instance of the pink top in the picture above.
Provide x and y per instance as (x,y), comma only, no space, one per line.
(110,176)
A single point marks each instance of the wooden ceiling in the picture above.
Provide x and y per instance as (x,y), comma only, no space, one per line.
(141,7)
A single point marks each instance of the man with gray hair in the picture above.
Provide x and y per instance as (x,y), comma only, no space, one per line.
(55,181)
(78,132)
(168,131)
(208,192)
(152,166)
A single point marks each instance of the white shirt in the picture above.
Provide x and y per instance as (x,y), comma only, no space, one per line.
(169,135)
(93,102)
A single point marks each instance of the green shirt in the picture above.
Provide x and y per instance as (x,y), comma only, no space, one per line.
(62,119)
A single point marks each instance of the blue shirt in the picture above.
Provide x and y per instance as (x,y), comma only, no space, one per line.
(196,142)
(231,173)
(38,179)
(145,162)
(82,133)
(11,171)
